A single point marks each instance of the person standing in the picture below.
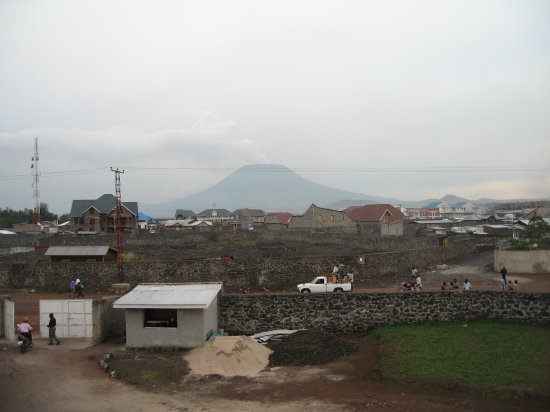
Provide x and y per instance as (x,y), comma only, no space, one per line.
(350,278)
(414,272)
(502,282)
(418,282)
(51,330)
(467,286)
(503,273)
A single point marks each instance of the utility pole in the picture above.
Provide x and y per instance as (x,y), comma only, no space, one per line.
(118,227)
(35,192)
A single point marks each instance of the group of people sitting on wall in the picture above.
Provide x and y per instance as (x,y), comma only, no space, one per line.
(453,285)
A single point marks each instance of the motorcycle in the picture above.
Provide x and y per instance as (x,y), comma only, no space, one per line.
(24,343)
(410,286)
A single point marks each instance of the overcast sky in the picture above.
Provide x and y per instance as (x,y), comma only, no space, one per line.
(364,87)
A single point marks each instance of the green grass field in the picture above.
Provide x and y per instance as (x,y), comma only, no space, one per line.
(482,355)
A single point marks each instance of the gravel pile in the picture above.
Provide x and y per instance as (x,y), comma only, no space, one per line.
(309,347)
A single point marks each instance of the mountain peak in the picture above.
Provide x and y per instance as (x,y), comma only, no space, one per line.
(269,187)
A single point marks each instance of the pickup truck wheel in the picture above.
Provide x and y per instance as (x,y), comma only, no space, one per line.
(338,290)
(306,291)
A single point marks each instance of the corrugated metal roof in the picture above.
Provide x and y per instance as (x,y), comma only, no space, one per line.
(169,296)
(78,250)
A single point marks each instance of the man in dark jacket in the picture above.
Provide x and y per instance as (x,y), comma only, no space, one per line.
(51,327)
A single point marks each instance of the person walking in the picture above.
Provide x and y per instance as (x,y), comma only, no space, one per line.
(51,330)
(72,286)
(79,289)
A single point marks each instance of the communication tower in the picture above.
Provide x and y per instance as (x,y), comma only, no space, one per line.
(36,177)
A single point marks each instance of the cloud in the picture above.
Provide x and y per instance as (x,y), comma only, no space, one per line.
(534,188)
(78,160)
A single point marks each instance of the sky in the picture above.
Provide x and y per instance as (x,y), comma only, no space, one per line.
(397,98)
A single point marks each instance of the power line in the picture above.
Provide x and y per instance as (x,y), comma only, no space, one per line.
(415,169)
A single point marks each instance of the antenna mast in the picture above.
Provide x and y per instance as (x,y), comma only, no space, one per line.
(35,192)
(118,227)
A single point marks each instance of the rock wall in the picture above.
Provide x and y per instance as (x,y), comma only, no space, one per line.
(248,273)
(352,313)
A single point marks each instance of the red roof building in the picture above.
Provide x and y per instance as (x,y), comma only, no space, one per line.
(380,219)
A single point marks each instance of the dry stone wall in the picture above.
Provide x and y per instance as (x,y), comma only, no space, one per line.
(355,313)
(247,273)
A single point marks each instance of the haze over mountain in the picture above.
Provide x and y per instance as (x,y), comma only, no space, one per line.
(276,188)
(267,187)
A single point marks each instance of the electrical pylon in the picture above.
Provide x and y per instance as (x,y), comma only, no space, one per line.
(118,227)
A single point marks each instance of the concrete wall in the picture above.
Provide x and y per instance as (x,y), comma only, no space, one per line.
(321,218)
(189,333)
(2,298)
(523,261)
(210,319)
(351,313)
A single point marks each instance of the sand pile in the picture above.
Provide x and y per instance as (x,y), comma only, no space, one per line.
(228,356)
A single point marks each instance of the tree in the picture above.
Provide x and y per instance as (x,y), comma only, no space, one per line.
(534,232)
(9,217)
(64,218)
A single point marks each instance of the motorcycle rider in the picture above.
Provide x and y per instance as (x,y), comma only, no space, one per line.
(25,329)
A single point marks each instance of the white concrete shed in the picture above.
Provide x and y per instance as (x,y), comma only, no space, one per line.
(170,315)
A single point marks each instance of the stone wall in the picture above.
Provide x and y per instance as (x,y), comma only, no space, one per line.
(272,273)
(352,313)
(108,322)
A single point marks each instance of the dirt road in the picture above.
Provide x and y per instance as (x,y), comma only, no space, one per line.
(67,378)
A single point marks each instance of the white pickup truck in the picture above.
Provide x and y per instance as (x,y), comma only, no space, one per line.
(321,285)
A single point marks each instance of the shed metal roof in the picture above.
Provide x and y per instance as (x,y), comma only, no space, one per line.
(169,296)
(78,250)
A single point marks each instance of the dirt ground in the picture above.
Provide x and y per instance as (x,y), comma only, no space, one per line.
(68,377)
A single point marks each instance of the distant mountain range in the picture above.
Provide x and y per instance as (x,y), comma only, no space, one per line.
(275,188)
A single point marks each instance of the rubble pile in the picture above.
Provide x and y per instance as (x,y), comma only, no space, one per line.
(309,347)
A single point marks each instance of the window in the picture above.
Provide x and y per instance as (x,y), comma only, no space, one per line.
(160,318)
